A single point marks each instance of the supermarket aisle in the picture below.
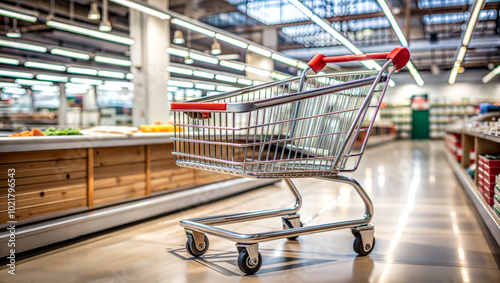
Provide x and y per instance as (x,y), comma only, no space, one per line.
(426,231)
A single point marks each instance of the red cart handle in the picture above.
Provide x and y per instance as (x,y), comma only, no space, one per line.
(399,56)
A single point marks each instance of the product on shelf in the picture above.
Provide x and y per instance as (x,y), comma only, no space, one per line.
(496,200)
(61,132)
(488,169)
(33,133)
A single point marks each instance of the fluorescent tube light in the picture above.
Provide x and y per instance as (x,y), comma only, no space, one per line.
(257,71)
(203,74)
(24,46)
(231,40)
(279,76)
(461,53)
(3,84)
(143,8)
(90,32)
(83,71)
(302,66)
(258,82)
(416,75)
(193,27)
(76,85)
(259,50)
(244,82)
(20,16)
(472,22)
(9,61)
(52,78)
(172,88)
(85,81)
(32,82)
(232,65)
(45,88)
(229,57)
(113,61)
(111,74)
(180,83)
(491,74)
(129,76)
(15,74)
(204,86)
(177,52)
(453,75)
(226,88)
(46,66)
(71,54)
(284,59)
(14,90)
(178,70)
(395,26)
(203,58)
(226,78)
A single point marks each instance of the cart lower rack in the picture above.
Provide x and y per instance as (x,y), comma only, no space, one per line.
(303,127)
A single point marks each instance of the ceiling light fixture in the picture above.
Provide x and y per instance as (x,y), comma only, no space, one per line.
(71,54)
(17,15)
(32,82)
(203,58)
(180,83)
(232,65)
(491,74)
(258,50)
(82,71)
(193,27)
(178,70)
(94,12)
(142,7)
(188,60)
(178,37)
(15,74)
(24,46)
(245,82)
(257,71)
(216,49)
(105,24)
(231,40)
(112,61)
(226,78)
(14,32)
(9,61)
(52,78)
(203,74)
(204,86)
(46,66)
(111,74)
(90,32)
(177,52)
(226,88)
(85,81)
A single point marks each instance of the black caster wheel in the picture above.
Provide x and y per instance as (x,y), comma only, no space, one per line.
(192,249)
(288,224)
(358,246)
(246,265)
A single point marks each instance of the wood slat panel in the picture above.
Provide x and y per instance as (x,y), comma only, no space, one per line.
(52,185)
(119,170)
(46,196)
(166,173)
(118,181)
(90,178)
(43,168)
(25,213)
(41,180)
(172,182)
(46,155)
(164,164)
(113,194)
(161,151)
(106,156)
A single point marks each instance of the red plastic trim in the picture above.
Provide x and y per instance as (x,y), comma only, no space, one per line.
(400,56)
(198,106)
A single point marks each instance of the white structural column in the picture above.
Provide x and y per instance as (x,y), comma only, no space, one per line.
(269,38)
(63,105)
(150,61)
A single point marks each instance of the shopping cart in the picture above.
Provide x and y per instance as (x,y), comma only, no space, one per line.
(300,127)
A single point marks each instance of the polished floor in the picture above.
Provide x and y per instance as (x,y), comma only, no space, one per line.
(426,231)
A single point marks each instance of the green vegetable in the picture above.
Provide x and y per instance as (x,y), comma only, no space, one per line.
(61,132)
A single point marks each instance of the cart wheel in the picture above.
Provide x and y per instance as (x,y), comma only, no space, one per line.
(246,265)
(287,225)
(358,246)
(192,249)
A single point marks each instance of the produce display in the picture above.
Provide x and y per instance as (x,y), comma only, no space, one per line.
(111,130)
(157,127)
(61,132)
(33,133)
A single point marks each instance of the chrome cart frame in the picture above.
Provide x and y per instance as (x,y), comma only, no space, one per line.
(297,128)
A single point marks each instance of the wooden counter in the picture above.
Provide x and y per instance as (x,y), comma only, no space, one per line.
(57,176)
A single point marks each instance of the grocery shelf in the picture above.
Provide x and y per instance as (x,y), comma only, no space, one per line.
(486,212)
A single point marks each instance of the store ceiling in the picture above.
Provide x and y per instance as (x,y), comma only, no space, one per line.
(434,31)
